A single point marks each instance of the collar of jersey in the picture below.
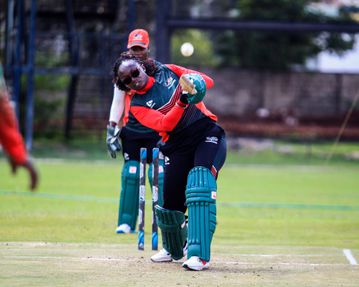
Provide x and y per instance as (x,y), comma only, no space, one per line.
(149,84)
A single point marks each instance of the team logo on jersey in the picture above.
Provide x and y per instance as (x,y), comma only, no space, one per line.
(213,140)
(167,160)
(150,103)
(170,82)
(126,156)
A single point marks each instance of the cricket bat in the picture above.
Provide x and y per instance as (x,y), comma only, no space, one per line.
(187,85)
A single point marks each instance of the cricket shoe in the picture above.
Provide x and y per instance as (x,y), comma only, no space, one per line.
(195,263)
(123,229)
(164,256)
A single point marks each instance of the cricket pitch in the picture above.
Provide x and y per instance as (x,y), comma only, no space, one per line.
(70,264)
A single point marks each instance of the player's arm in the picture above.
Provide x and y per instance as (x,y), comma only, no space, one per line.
(11,140)
(117,106)
(179,71)
(156,120)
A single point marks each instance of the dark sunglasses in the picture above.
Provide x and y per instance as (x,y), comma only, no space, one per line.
(128,80)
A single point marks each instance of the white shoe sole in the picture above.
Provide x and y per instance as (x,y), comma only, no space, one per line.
(162,260)
(198,267)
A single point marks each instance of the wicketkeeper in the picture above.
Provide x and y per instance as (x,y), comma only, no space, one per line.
(168,99)
(129,138)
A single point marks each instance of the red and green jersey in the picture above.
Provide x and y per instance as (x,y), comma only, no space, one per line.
(154,107)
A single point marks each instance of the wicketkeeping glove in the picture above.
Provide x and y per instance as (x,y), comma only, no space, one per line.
(113,141)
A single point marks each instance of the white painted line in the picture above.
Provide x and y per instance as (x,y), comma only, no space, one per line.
(127,259)
(348,254)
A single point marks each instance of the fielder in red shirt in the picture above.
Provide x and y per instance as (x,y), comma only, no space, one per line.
(10,137)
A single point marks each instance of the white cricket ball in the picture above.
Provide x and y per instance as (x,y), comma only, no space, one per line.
(187,49)
(262,113)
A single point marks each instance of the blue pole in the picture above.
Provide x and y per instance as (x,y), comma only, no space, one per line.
(17,60)
(131,14)
(9,41)
(30,78)
(163,33)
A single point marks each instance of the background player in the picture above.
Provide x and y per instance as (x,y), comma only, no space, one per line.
(132,139)
(10,137)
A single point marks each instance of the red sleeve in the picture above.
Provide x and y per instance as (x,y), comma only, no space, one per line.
(179,71)
(156,120)
(10,138)
(128,97)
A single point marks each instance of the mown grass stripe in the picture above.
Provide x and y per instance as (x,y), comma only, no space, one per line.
(90,198)
(70,197)
(290,206)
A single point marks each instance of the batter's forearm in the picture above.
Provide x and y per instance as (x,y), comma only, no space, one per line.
(156,120)
(117,106)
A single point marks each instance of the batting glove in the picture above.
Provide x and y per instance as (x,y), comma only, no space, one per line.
(195,86)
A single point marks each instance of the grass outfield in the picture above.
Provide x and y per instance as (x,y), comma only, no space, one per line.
(282,223)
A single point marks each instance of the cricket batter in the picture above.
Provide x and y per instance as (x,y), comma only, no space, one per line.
(10,137)
(170,102)
(132,139)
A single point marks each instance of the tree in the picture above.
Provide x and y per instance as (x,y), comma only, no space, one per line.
(279,50)
(203,50)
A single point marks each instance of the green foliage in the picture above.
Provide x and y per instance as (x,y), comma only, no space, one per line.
(52,83)
(49,104)
(46,58)
(203,50)
(279,50)
(46,112)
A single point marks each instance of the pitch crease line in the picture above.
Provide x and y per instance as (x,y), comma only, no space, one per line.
(348,254)
(136,259)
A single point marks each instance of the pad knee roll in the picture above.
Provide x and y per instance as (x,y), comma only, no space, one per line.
(201,202)
(174,230)
(129,194)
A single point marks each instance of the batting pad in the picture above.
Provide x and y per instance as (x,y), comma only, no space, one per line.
(174,230)
(129,194)
(161,176)
(201,202)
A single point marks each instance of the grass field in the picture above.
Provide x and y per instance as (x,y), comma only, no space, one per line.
(283,220)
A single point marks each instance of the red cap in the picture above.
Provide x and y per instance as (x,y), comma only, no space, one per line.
(138,37)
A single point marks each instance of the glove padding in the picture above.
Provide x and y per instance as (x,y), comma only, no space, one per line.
(112,140)
(194,86)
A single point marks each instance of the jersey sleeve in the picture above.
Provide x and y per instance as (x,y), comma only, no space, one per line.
(179,71)
(10,137)
(157,121)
